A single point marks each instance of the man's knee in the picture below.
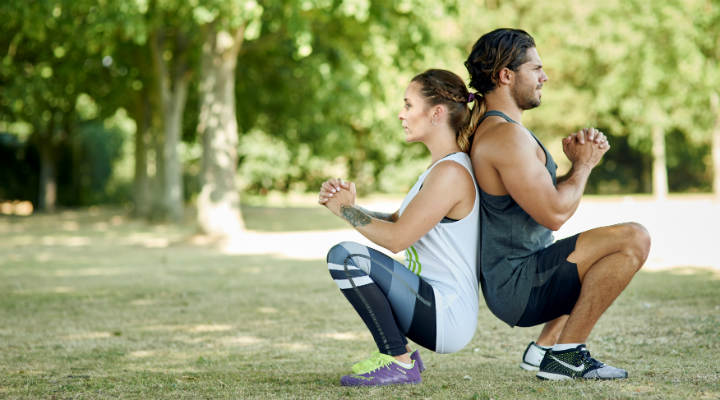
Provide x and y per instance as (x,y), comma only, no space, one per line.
(636,242)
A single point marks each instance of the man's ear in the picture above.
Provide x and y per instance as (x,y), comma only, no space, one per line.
(505,76)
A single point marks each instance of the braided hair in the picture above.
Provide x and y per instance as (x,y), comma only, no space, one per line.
(439,86)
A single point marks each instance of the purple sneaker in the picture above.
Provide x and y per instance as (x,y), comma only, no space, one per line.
(388,373)
(415,356)
(376,360)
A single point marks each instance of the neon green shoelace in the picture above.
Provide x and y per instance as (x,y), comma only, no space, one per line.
(376,360)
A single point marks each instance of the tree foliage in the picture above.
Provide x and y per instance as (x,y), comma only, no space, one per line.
(54,53)
(318,84)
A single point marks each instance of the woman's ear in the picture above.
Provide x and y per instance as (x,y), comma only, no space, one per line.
(439,113)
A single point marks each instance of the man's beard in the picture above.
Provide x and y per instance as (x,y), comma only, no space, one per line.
(527,100)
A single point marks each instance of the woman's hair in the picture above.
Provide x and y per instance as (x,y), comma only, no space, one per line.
(501,48)
(439,86)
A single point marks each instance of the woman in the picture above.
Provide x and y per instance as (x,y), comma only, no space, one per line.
(433,298)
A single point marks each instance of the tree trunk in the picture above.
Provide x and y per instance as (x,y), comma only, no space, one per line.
(219,211)
(715,108)
(141,182)
(172,121)
(48,178)
(172,86)
(157,174)
(660,185)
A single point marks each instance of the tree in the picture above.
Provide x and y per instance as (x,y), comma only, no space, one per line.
(163,31)
(319,90)
(707,84)
(646,58)
(225,25)
(134,89)
(171,46)
(54,55)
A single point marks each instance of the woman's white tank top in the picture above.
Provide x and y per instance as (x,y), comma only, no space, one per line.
(446,258)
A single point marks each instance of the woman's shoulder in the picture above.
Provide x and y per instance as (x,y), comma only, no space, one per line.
(450,172)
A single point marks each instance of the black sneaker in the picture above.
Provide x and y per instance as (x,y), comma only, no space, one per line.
(576,363)
(529,363)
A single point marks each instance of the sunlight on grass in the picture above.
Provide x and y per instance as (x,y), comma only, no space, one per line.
(149,242)
(684,271)
(89,335)
(90,272)
(356,336)
(70,226)
(201,328)
(63,289)
(239,340)
(294,346)
(43,257)
(210,328)
(143,302)
(142,354)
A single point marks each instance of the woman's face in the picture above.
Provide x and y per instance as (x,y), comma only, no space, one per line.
(415,114)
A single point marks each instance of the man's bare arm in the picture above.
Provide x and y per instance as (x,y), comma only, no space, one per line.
(527,181)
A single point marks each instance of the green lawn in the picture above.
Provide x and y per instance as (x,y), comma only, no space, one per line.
(93,305)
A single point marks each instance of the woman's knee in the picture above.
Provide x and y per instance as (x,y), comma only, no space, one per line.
(344,253)
(337,254)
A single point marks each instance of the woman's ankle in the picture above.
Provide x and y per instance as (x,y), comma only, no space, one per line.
(404,358)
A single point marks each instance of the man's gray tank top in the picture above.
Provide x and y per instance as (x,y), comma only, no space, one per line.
(509,236)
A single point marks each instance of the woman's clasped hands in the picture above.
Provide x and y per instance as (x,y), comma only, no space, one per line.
(336,193)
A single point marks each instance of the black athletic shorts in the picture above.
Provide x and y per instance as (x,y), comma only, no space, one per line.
(556,295)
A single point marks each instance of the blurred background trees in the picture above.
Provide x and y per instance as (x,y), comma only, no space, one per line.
(165,104)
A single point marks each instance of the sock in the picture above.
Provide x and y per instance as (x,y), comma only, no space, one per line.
(565,346)
(404,365)
(543,347)
(535,354)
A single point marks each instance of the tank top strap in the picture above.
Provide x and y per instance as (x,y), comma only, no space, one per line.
(496,113)
(550,162)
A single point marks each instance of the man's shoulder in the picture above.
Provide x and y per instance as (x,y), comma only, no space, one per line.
(500,136)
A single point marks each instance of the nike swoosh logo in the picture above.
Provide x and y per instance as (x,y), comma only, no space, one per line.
(579,368)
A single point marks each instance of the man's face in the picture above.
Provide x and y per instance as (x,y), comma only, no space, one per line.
(526,88)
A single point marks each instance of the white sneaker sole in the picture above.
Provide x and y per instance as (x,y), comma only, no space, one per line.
(529,367)
(552,377)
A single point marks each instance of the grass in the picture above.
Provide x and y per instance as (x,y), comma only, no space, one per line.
(93,305)
(296,218)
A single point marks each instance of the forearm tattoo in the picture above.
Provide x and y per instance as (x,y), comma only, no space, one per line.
(354,216)
(376,214)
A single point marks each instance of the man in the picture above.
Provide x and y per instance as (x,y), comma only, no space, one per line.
(526,279)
